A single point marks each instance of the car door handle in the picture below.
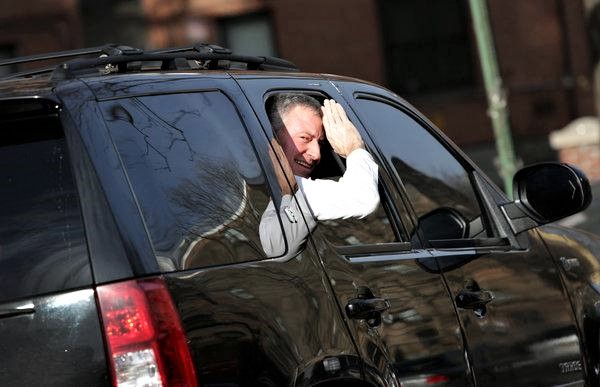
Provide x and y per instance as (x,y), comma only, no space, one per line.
(16,309)
(475,298)
(364,308)
(471,299)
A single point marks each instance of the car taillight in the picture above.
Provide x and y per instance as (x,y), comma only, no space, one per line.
(145,340)
(436,379)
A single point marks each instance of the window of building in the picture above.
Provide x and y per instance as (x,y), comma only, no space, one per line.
(438,186)
(248,34)
(427,44)
(195,175)
(42,242)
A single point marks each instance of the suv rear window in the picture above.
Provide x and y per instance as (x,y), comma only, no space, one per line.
(195,175)
(42,242)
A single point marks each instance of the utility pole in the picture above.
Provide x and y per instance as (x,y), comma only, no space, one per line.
(495,92)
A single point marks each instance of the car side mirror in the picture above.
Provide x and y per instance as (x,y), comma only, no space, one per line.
(546,192)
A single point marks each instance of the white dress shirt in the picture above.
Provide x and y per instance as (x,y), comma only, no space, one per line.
(354,195)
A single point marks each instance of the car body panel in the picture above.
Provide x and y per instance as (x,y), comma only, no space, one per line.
(576,255)
(267,323)
(52,340)
(528,334)
(419,337)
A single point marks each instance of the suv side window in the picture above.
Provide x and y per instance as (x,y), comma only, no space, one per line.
(436,183)
(42,241)
(195,175)
(372,229)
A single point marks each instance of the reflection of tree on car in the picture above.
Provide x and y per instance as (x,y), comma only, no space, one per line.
(209,215)
(202,190)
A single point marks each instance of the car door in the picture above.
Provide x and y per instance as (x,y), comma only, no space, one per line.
(407,333)
(194,158)
(515,316)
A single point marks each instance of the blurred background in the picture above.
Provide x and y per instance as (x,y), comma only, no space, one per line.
(424,50)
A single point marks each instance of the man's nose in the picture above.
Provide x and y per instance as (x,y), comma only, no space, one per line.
(314,151)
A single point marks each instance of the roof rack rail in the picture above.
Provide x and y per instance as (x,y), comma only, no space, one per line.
(199,47)
(120,58)
(206,56)
(107,49)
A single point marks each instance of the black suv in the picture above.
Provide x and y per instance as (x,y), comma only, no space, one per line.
(133,185)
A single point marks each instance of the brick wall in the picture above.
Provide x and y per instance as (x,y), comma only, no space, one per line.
(40,26)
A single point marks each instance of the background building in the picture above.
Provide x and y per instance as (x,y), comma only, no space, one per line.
(422,49)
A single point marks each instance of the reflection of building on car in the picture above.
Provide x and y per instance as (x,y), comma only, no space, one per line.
(133,187)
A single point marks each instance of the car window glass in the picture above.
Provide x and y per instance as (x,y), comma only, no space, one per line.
(437,185)
(195,175)
(42,242)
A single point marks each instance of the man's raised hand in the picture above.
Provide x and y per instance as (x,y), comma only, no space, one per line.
(341,133)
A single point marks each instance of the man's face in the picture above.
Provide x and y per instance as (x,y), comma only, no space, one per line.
(301,139)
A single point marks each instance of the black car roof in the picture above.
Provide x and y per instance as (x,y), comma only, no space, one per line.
(122,65)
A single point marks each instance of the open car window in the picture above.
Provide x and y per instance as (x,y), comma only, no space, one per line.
(375,228)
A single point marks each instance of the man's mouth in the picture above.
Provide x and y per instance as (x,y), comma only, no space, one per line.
(304,164)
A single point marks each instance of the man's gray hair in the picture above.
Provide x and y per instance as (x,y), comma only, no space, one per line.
(284,102)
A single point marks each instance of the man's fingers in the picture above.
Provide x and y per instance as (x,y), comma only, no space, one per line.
(326,108)
(326,119)
(329,120)
(330,111)
(341,112)
(338,112)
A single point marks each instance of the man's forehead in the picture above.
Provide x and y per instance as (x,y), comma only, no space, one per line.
(302,118)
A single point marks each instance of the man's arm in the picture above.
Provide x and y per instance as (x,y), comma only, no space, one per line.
(356,193)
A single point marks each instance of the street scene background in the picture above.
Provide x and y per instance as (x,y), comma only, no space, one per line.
(424,50)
